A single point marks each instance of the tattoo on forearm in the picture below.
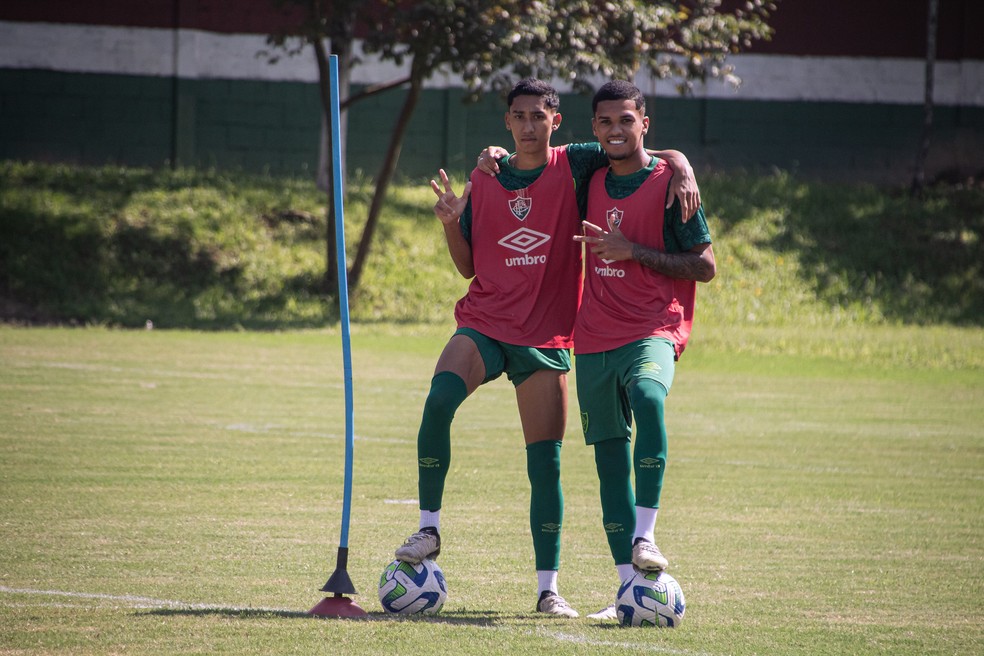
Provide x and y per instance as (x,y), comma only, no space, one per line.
(686,266)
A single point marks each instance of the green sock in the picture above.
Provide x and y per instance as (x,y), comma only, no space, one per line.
(647,397)
(447,392)
(546,501)
(614,464)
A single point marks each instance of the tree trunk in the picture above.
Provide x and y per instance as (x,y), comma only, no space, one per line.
(384,178)
(919,175)
(330,281)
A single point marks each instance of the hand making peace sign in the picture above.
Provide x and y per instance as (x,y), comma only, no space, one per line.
(449,206)
(607,245)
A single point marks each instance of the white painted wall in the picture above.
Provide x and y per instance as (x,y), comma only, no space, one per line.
(196,54)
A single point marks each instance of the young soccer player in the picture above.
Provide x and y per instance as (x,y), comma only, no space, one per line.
(511,235)
(636,314)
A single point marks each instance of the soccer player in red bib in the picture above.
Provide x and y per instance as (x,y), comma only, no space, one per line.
(642,266)
(512,236)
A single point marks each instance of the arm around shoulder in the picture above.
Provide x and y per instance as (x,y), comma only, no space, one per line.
(683,185)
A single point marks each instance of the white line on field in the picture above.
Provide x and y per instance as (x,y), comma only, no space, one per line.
(134,601)
(635,646)
(274,428)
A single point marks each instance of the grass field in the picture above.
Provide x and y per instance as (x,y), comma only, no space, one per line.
(170,492)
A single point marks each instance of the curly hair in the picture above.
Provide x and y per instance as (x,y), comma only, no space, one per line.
(619,90)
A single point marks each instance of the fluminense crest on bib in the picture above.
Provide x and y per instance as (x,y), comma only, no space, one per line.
(520,205)
(614,218)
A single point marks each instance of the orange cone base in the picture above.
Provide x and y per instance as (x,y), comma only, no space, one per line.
(337,606)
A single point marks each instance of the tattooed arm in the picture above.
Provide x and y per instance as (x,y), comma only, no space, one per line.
(696,264)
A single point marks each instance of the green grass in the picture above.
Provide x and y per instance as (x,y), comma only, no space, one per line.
(176,492)
(172,492)
(213,250)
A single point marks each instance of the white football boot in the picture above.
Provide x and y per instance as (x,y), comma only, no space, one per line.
(552,603)
(425,543)
(647,556)
(607,613)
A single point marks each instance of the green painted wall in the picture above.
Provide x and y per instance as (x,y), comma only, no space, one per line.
(274,127)
(84,118)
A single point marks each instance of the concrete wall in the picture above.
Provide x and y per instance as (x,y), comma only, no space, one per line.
(837,93)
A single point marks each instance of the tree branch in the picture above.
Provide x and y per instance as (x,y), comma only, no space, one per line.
(374,89)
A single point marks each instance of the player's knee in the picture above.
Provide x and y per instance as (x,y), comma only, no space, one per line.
(647,397)
(543,462)
(447,392)
(543,473)
(612,459)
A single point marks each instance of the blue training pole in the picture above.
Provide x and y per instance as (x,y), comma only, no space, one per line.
(343,304)
(340,583)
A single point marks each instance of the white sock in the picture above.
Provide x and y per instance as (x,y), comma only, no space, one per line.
(645,524)
(546,579)
(430,518)
(625,571)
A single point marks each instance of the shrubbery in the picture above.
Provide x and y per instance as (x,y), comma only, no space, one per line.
(203,249)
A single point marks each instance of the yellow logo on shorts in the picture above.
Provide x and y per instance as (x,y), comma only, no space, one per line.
(584,422)
(651,368)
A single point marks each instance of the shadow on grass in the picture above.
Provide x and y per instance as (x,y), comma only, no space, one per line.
(470,618)
(69,255)
(241,613)
(74,250)
(916,261)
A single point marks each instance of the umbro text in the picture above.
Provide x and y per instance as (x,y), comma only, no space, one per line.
(609,272)
(526,260)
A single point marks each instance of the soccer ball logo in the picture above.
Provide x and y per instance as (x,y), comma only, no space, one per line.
(650,599)
(407,589)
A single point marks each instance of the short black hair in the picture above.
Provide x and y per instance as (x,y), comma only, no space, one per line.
(619,90)
(531,86)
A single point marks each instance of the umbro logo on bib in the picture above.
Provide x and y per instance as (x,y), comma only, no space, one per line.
(524,240)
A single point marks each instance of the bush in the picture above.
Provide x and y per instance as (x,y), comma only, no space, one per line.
(217,250)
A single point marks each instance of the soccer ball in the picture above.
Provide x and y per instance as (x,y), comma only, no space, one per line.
(650,599)
(407,589)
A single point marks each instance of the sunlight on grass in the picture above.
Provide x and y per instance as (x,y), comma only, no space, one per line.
(205,249)
(179,492)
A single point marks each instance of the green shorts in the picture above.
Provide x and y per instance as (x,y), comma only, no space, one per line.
(603,381)
(517,362)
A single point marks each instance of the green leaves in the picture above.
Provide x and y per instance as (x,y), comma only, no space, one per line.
(490,45)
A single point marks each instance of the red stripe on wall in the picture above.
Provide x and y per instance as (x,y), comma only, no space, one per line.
(852,28)
(873,28)
(224,16)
